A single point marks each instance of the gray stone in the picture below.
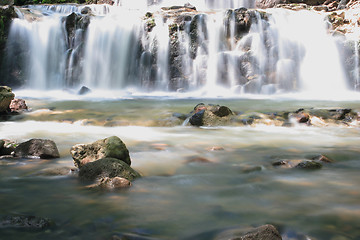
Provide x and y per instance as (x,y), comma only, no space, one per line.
(42,148)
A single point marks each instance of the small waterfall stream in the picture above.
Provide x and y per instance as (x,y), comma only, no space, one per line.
(277,54)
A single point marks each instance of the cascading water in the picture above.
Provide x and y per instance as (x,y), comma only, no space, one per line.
(241,51)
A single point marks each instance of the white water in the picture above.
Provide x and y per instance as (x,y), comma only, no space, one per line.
(292,52)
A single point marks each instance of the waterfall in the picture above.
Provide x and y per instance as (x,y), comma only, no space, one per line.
(239,51)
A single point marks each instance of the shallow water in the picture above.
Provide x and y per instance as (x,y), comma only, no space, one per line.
(178,199)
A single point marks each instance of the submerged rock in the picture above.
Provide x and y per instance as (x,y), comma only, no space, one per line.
(111,183)
(111,147)
(25,222)
(266,232)
(107,168)
(43,148)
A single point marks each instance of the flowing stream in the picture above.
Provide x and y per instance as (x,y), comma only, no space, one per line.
(281,64)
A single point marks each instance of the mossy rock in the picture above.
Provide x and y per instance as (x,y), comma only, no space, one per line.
(111,147)
(107,167)
(6,96)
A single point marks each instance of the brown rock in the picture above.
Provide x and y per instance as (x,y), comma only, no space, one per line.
(18,105)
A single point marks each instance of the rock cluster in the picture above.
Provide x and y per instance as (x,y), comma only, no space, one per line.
(105,161)
(214,115)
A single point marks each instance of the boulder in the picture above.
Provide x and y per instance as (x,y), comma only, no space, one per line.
(211,115)
(18,105)
(84,90)
(111,147)
(298,163)
(6,96)
(25,222)
(107,168)
(268,232)
(42,148)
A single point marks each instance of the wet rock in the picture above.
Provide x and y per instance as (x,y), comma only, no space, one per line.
(268,232)
(242,20)
(111,147)
(211,115)
(268,3)
(107,167)
(18,105)
(309,165)
(84,90)
(323,158)
(6,96)
(86,10)
(111,183)
(298,163)
(25,222)
(7,147)
(197,118)
(42,148)
(300,116)
(197,27)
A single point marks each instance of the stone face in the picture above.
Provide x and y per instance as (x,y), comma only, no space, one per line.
(107,167)
(6,96)
(111,147)
(42,148)
(265,232)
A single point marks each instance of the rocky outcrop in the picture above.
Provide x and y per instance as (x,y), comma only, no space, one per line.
(107,168)
(7,147)
(6,96)
(111,147)
(268,232)
(42,148)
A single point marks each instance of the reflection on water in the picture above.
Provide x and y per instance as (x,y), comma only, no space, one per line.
(180,199)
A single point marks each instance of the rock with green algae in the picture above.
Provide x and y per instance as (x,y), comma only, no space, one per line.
(6,96)
(111,147)
(107,168)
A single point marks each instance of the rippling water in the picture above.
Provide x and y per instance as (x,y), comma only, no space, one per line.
(178,199)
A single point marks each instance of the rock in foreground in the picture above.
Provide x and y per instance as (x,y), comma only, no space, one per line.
(111,147)
(42,148)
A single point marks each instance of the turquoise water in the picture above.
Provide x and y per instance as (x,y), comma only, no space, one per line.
(177,198)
